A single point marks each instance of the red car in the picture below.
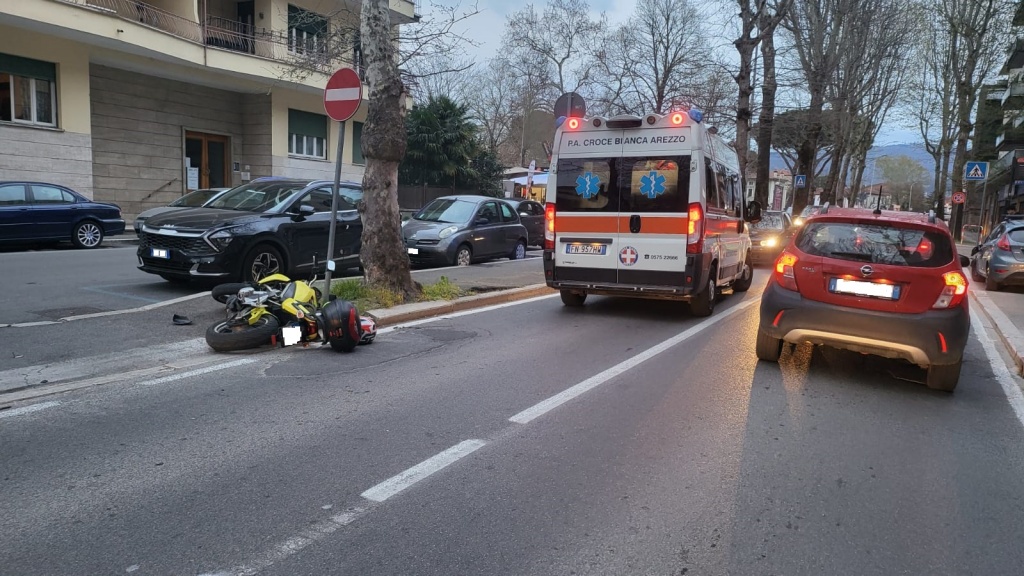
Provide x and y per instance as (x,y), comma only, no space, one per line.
(884,283)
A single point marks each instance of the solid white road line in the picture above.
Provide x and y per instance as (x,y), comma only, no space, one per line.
(27,409)
(396,484)
(999,369)
(557,400)
(198,371)
(387,329)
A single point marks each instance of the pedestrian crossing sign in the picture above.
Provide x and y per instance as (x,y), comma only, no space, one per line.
(976,171)
(800,181)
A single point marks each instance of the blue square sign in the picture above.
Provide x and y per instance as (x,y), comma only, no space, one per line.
(800,181)
(976,171)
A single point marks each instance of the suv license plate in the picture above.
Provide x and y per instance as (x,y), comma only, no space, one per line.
(599,249)
(160,253)
(861,288)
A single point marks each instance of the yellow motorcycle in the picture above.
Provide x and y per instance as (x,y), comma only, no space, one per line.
(278,310)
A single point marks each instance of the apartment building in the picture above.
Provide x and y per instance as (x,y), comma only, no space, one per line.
(140,102)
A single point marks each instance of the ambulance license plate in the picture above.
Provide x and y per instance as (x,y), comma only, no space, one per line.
(860,288)
(599,249)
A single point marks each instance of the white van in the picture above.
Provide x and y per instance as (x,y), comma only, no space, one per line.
(645,207)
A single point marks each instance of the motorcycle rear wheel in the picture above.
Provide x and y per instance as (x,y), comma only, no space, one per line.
(229,336)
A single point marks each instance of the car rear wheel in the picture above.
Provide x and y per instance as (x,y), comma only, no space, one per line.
(703,304)
(990,282)
(87,234)
(768,348)
(943,377)
(519,252)
(262,261)
(573,299)
(463,256)
(975,275)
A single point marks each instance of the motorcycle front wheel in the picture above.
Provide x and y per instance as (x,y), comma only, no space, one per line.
(231,335)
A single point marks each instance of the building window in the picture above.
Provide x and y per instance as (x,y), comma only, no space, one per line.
(307,134)
(28,93)
(307,31)
(357,143)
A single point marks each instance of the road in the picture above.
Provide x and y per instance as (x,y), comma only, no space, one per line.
(624,438)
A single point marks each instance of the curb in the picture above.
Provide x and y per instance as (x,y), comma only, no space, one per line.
(1008,333)
(419,310)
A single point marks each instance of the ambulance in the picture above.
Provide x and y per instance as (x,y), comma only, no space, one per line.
(646,207)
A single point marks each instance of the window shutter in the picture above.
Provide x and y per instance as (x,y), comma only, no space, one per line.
(307,124)
(28,67)
(357,143)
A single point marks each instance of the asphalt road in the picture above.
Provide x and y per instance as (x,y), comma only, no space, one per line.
(624,438)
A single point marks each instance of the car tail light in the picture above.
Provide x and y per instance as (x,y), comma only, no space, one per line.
(695,229)
(549,227)
(1003,243)
(784,274)
(954,291)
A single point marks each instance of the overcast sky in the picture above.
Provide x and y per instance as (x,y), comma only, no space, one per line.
(487,28)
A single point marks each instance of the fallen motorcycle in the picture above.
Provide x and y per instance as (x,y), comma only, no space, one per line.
(280,310)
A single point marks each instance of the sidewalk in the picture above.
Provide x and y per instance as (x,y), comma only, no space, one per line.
(1005,309)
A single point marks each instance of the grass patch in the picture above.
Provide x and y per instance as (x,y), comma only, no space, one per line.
(368,297)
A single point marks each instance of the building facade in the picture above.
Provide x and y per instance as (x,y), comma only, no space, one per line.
(780,189)
(138,102)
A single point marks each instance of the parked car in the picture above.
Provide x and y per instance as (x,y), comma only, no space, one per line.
(267,226)
(40,212)
(460,229)
(531,214)
(999,260)
(769,236)
(193,199)
(883,283)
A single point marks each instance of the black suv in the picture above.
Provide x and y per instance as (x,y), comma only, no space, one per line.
(266,226)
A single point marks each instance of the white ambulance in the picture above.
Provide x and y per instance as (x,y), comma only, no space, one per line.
(646,207)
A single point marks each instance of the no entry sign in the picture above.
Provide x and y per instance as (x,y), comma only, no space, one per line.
(343,94)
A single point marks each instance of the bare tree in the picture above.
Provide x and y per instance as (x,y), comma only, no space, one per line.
(490,95)
(442,74)
(767,21)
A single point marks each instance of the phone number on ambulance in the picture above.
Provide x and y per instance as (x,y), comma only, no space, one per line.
(660,257)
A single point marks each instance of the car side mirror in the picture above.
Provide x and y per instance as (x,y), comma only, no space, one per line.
(753,212)
(481,221)
(964,261)
(305,211)
(975,250)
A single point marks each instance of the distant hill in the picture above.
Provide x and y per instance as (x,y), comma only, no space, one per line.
(914,151)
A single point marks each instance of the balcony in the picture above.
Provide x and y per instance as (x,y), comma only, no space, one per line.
(1013,96)
(294,48)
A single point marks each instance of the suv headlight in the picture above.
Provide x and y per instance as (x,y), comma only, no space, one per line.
(447,232)
(220,240)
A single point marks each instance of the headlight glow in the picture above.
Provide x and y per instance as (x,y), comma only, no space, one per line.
(770,242)
(447,232)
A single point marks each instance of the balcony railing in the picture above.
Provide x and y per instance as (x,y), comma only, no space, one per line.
(303,51)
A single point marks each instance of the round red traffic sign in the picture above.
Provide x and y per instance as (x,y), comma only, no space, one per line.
(959,197)
(343,94)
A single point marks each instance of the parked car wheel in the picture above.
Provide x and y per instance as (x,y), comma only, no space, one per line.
(87,234)
(262,261)
(463,256)
(991,284)
(943,378)
(975,275)
(519,252)
(768,348)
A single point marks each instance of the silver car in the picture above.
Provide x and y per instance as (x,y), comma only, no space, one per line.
(999,260)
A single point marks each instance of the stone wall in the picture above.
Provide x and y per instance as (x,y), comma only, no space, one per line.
(45,155)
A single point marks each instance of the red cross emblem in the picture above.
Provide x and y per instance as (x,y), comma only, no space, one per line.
(628,256)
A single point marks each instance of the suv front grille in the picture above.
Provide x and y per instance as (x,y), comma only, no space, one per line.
(183,244)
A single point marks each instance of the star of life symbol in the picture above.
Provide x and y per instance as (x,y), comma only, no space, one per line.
(628,256)
(652,185)
(588,185)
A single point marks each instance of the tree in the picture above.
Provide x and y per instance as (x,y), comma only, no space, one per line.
(767,22)
(905,178)
(441,144)
(383,255)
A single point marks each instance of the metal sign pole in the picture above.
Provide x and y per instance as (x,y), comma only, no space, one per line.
(334,215)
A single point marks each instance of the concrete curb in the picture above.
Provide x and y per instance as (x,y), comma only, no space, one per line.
(419,310)
(1008,333)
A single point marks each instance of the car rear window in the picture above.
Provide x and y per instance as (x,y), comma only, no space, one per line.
(770,222)
(1016,235)
(878,243)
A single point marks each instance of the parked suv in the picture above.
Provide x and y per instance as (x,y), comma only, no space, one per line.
(999,259)
(267,226)
(883,283)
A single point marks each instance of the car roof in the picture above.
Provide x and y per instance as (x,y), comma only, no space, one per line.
(882,215)
(302,181)
(469,197)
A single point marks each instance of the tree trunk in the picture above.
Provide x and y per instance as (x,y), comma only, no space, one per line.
(807,154)
(383,254)
(745,47)
(765,121)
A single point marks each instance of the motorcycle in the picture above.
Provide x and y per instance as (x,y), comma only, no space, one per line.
(278,309)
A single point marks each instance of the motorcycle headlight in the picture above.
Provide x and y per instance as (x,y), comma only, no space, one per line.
(447,232)
(220,240)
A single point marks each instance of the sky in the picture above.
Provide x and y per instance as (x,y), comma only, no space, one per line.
(487,28)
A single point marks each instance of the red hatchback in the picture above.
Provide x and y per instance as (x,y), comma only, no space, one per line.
(884,283)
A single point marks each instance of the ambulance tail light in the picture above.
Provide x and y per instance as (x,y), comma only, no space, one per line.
(695,229)
(549,227)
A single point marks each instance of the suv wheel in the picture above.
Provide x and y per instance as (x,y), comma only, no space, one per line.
(943,377)
(767,348)
(262,261)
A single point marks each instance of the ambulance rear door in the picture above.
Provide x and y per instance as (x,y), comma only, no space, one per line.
(656,182)
(587,203)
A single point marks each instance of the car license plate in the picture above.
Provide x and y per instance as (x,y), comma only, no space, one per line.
(861,288)
(160,253)
(414,250)
(599,249)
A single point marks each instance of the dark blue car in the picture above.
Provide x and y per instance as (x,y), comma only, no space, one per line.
(39,212)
